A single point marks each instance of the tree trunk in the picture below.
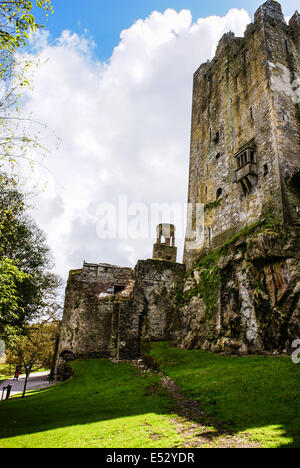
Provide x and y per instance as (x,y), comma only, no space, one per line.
(25,384)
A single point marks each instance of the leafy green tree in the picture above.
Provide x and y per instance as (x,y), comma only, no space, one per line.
(11,276)
(18,136)
(28,290)
(17,22)
(26,285)
(35,351)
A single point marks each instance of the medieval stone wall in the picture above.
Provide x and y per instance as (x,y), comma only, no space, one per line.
(243,99)
(243,283)
(154,295)
(112,311)
(89,309)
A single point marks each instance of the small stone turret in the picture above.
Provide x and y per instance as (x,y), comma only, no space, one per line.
(165,250)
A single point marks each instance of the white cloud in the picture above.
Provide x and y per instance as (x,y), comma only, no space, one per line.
(125,127)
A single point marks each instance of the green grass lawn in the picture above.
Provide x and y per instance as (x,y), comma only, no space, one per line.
(104,405)
(113,406)
(253,394)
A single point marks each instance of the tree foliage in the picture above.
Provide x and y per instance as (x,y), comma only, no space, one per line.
(18,134)
(17,22)
(35,351)
(27,288)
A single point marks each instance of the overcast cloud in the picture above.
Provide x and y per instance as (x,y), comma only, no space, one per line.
(124,125)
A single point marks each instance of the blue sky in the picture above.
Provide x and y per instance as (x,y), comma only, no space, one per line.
(105,19)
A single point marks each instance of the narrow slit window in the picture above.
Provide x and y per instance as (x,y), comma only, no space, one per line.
(219,193)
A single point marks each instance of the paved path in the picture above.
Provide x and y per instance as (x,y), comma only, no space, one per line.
(35,381)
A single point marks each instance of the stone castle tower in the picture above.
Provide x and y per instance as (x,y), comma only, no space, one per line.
(245,128)
(238,289)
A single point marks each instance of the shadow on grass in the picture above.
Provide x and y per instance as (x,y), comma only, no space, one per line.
(240,393)
(99,391)
(256,394)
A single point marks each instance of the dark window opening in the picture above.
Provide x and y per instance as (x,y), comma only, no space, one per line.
(219,193)
(218,155)
(266,169)
(217,137)
(118,289)
(209,235)
(248,156)
(287,48)
(294,188)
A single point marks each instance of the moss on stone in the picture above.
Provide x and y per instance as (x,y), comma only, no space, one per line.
(72,274)
(208,287)
(212,205)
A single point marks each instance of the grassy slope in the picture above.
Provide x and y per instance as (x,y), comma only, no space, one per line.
(112,405)
(105,405)
(254,394)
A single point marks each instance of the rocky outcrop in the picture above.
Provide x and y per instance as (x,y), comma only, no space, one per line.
(244,296)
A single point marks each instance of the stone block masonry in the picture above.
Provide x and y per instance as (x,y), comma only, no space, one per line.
(245,128)
(111,312)
(241,293)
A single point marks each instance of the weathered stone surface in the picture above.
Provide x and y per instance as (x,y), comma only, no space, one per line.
(112,311)
(245,129)
(154,297)
(92,296)
(254,305)
(242,294)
